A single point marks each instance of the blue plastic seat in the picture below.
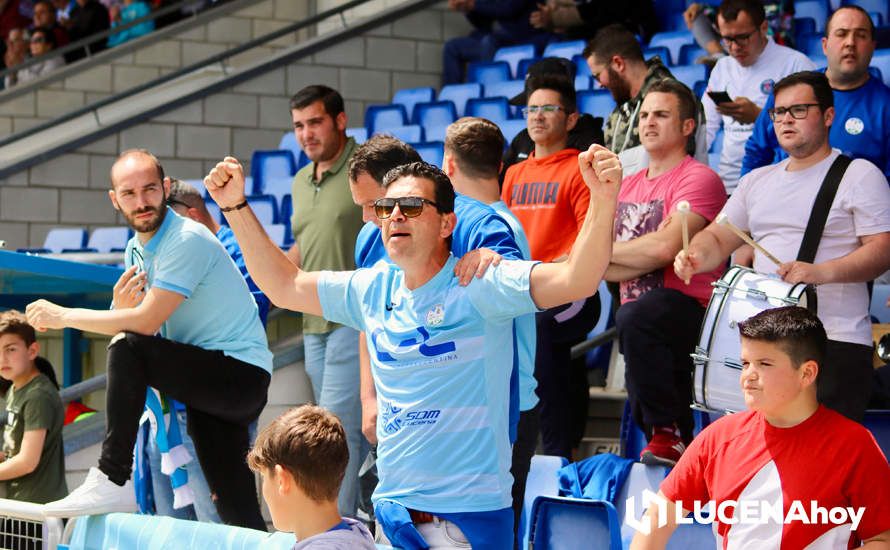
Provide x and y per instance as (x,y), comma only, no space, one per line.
(507,89)
(431,151)
(285,211)
(662,52)
(278,187)
(435,132)
(408,133)
(689,74)
(409,97)
(541,481)
(61,238)
(581,66)
(289,143)
(511,128)
(816,9)
(512,55)
(109,239)
(459,94)
(881,60)
(700,88)
(486,72)
(803,25)
(690,52)
(265,207)
(596,102)
(495,109)
(434,113)
(278,233)
(384,116)
(525,64)
(566,50)
(881,7)
(271,164)
(199,185)
(359,134)
(810,44)
(583,83)
(673,41)
(561,523)
(213,209)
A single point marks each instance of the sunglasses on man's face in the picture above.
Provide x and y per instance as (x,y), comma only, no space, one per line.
(411,207)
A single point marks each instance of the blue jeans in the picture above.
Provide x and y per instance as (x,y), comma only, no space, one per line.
(331,361)
(203,508)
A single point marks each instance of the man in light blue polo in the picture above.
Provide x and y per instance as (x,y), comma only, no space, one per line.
(437,350)
(211,354)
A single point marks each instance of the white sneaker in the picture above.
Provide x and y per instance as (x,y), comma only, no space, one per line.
(97,495)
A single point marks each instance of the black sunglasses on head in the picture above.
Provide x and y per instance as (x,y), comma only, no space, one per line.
(411,207)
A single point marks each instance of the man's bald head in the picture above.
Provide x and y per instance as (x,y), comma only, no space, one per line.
(135,157)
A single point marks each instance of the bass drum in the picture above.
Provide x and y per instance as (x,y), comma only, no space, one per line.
(738,295)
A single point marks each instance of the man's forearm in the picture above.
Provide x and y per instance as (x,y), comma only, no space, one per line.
(109,322)
(644,254)
(617,273)
(862,265)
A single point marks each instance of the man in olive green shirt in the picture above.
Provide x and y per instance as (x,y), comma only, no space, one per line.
(325,224)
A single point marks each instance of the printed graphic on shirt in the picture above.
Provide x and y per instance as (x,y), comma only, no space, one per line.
(632,221)
(534,193)
(411,351)
(767,86)
(854,126)
(395,418)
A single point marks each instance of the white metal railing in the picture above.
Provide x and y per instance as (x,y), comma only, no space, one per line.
(24,527)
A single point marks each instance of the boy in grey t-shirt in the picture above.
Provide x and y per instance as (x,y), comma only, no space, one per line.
(302,457)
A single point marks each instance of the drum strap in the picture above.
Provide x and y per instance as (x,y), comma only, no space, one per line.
(819,216)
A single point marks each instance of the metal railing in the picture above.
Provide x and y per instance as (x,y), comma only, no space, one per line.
(23,526)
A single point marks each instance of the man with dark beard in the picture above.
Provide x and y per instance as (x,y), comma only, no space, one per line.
(211,352)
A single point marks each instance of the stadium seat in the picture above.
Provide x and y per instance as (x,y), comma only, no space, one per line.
(567,50)
(581,66)
(285,210)
(583,83)
(662,52)
(676,22)
(265,207)
(59,239)
(109,239)
(810,43)
(560,523)
(881,60)
(525,64)
(816,9)
(199,185)
(803,25)
(700,87)
(271,164)
(820,61)
(879,309)
(507,89)
(689,74)
(673,41)
(409,97)
(278,233)
(542,481)
(715,150)
(213,209)
(408,133)
(434,113)
(486,72)
(359,134)
(641,478)
(277,187)
(596,102)
(431,151)
(510,128)
(436,132)
(512,55)
(289,143)
(689,53)
(384,116)
(495,109)
(459,94)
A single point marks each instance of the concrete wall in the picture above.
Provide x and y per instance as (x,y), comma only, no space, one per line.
(71,190)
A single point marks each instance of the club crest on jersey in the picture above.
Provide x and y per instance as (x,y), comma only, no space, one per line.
(854,126)
(766,87)
(435,316)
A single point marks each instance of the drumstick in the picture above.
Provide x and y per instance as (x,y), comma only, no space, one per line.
(683,209)
(722,219)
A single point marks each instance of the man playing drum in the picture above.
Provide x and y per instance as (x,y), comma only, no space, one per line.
(773,204)
(659,319)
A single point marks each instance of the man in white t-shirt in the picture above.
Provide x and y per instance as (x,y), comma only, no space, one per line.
(747,75)
(773,204)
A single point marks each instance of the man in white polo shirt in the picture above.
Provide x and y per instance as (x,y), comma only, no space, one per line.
(747,76)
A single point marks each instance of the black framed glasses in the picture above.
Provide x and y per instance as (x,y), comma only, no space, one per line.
(737,39)
(798,111)
(411,207)
(535,109)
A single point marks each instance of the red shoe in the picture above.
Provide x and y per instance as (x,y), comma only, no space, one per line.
(665,448)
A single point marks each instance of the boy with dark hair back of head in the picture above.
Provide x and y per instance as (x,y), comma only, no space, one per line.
(821,471)
(302,456)
(33,464)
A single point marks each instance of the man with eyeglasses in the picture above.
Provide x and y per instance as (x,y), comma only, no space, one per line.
(438,356)
(211,354)
(547,194)
(773,204)
(755,62)
(861,99)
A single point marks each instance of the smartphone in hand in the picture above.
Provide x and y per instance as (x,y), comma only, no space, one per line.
(719,97)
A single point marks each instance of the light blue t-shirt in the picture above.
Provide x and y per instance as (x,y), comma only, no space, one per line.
(442,379)
(218,312)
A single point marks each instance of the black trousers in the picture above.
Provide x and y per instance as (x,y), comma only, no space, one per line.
(222,396)
(562,382)
(846,378)
(523,450)
(657,333)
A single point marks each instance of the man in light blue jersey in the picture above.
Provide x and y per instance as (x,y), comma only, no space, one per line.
(211,354)
(861,126)
(438,361)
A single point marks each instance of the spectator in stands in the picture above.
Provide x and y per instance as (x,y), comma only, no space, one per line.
(443,450)
(42,44)
(861,100)
(616,61)
(472,161)
(130,11)
(302,457)
(496,23)
(45,16)
(660,316)
(16,50)
(325,225)
(773,204)
(211,354)
(87,17)
(63,10)
(587,130)
(547,194)
(747,75)
(585,17)
(33,466)
(773,452)
(11,18)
